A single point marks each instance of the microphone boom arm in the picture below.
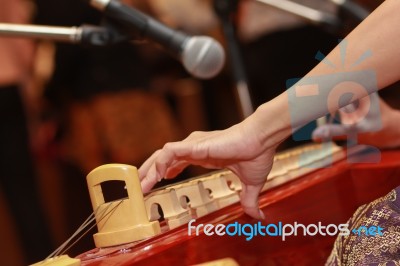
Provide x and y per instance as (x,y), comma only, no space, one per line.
(85,34)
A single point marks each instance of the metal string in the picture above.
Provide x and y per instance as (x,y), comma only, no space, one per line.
(66,245)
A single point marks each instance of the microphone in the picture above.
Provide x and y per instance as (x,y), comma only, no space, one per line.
(201,56)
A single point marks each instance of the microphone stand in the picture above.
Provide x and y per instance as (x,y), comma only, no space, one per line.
(321,18)
(85,34)
(312,15)
(225,9)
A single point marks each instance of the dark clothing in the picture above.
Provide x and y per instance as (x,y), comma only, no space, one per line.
(17,177)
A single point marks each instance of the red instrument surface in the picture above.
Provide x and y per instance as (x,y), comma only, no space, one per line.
(328,195)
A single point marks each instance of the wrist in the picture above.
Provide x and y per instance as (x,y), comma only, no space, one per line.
(272,122)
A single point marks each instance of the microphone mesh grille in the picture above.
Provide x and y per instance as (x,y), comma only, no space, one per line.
(203,57)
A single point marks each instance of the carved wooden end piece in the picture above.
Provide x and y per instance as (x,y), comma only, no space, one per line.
(122,221)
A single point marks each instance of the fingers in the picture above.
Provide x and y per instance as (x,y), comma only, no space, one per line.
(163,163)
(147,184)
(147,164)
(249,200)
(175,169)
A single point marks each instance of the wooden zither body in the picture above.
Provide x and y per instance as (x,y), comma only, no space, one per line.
(297,191)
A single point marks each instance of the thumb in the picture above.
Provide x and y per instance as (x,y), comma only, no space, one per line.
(249,200)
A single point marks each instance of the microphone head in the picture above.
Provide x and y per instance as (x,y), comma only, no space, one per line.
(203,57)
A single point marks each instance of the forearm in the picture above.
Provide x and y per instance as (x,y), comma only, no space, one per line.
(379,34)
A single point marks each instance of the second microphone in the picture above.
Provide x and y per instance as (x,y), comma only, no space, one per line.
(201,56)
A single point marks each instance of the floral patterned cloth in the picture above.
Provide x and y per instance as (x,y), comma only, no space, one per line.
(376,250)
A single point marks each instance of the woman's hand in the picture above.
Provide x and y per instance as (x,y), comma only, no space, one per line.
(241,148)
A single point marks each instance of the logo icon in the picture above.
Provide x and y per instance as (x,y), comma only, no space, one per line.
(330,92)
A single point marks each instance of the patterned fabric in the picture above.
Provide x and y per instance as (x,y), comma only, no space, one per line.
(371,250)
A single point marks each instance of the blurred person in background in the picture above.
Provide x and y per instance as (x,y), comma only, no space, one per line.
(17,171)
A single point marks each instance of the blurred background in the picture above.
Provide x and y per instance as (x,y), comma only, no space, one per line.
(67,109)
